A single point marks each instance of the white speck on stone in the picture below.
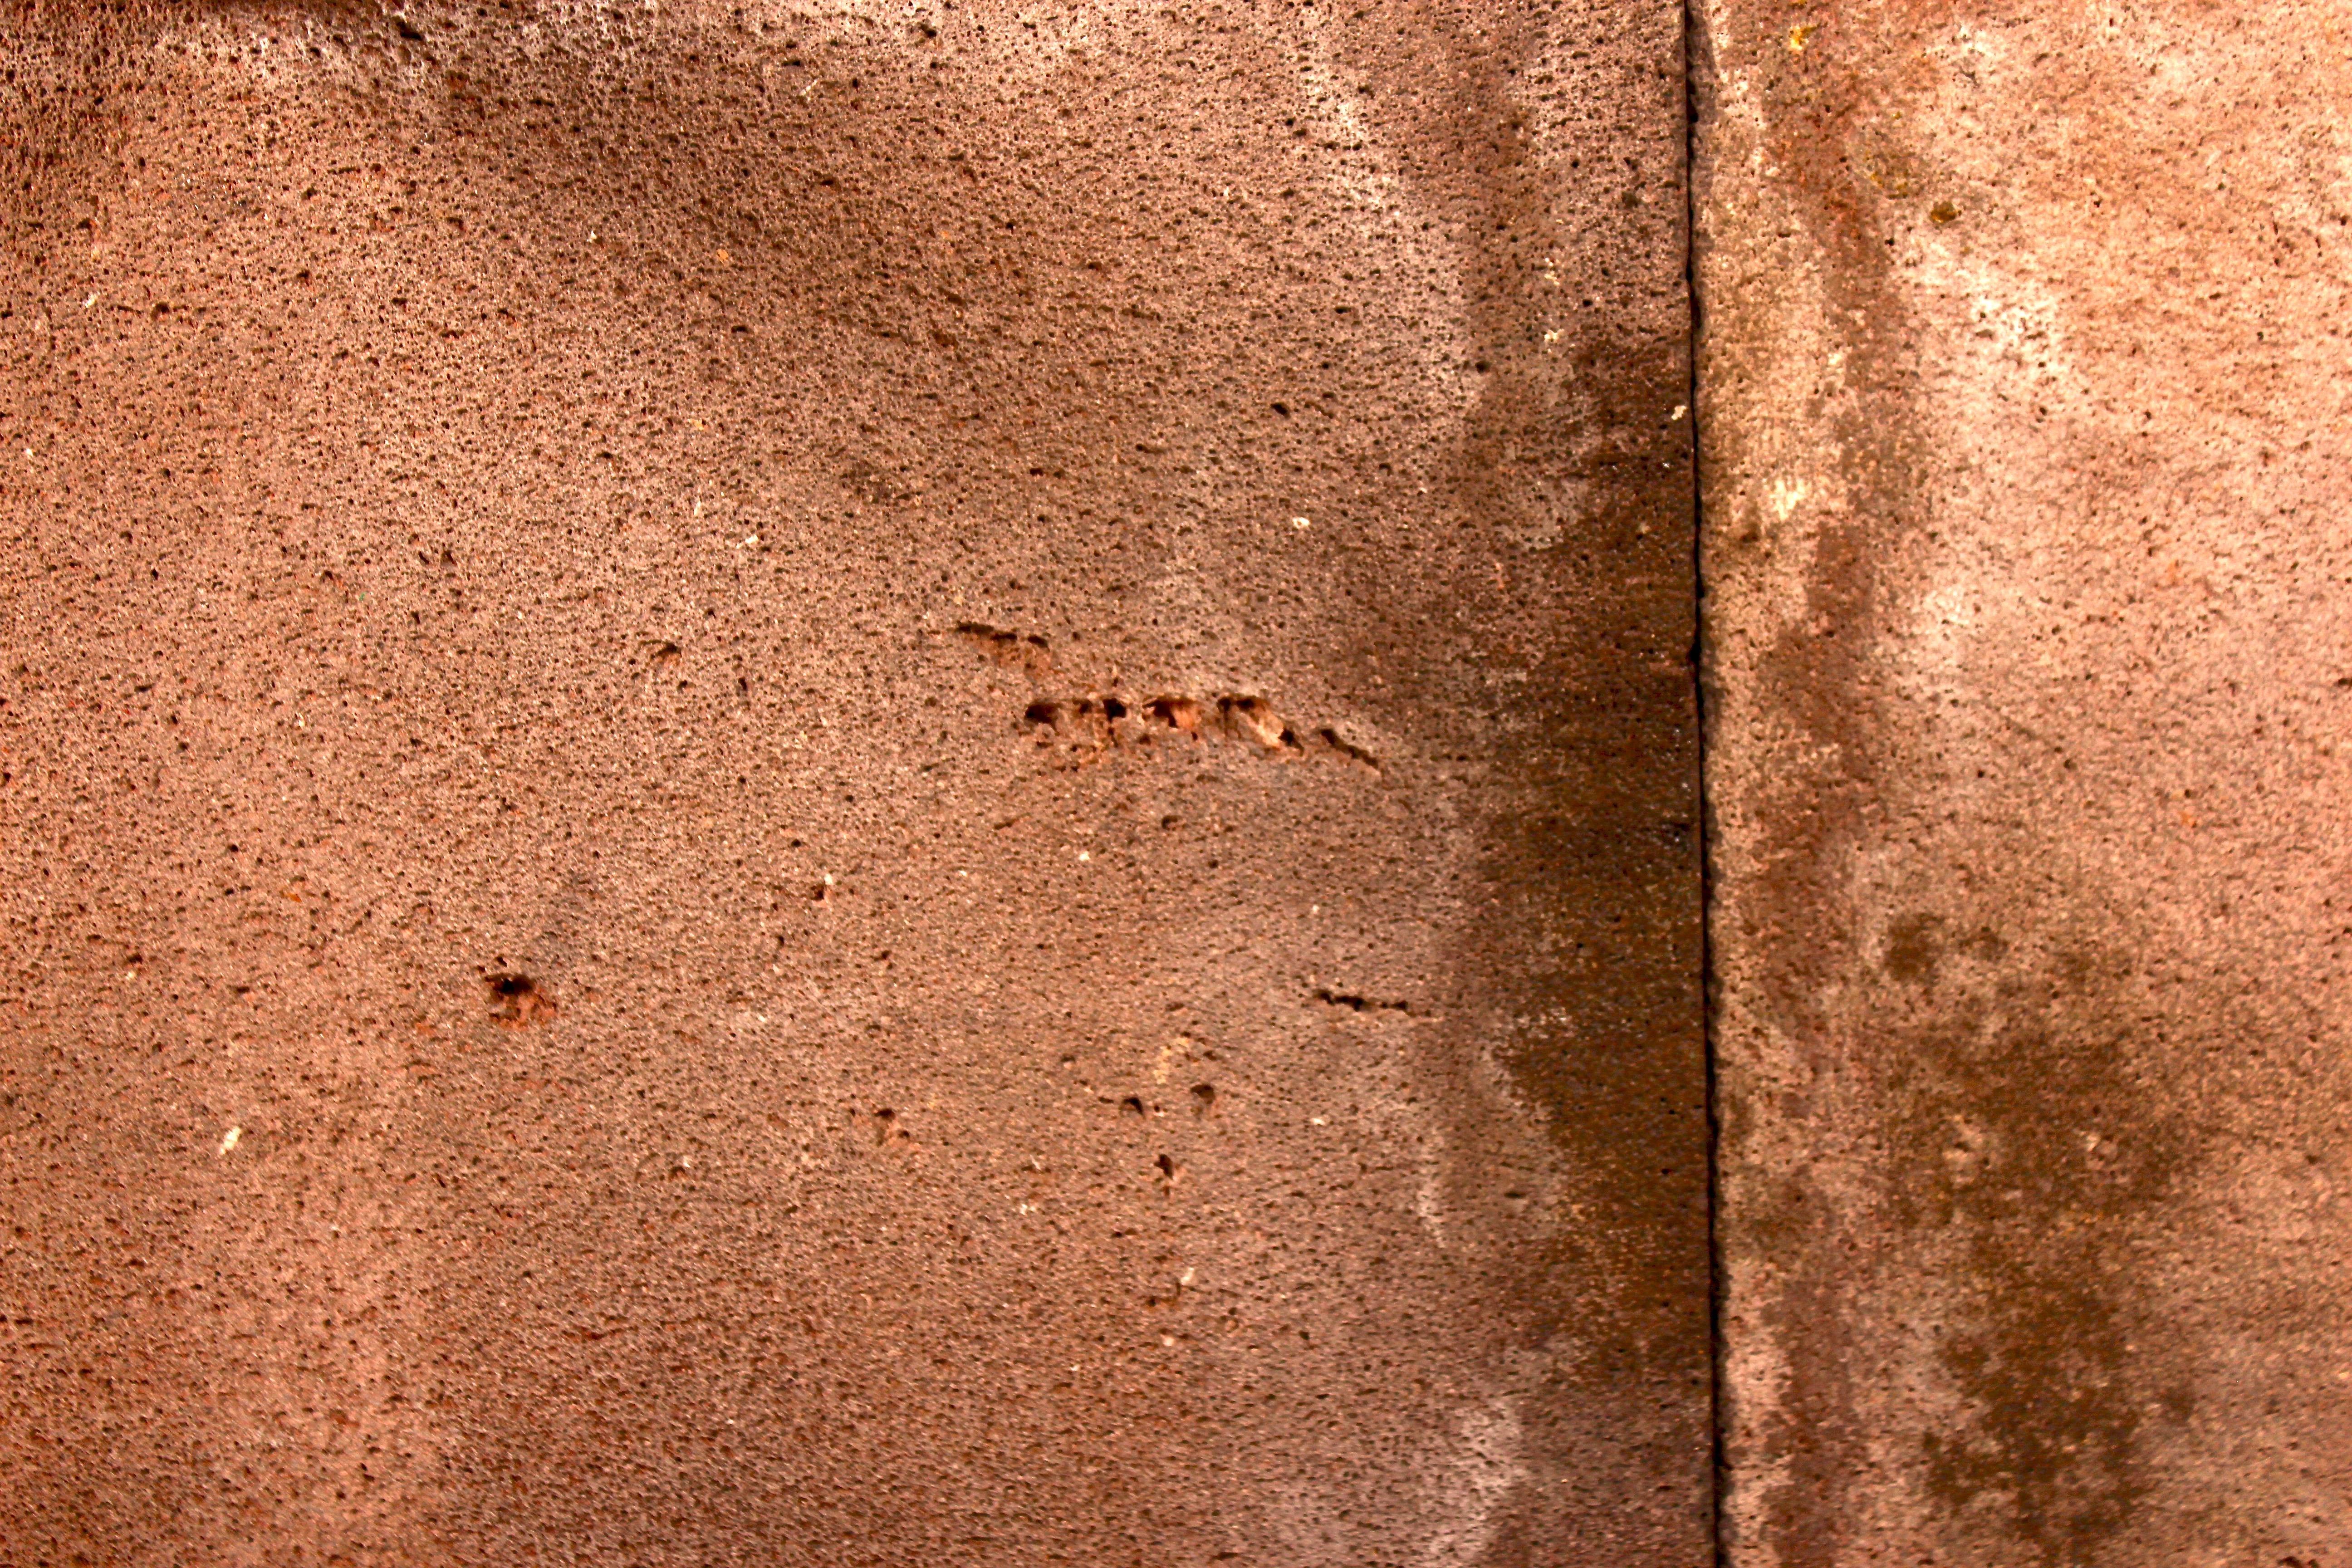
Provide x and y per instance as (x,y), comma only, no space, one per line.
(1785,495)
(229,1138)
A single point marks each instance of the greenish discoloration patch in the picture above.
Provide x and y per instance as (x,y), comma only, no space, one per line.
(2029,1150)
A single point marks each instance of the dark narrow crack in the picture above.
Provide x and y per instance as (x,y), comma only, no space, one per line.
(1695,75)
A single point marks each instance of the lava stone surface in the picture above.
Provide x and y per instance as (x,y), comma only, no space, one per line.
(2029,582)
(884,784)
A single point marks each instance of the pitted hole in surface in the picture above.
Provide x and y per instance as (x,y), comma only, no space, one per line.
(1094,720)
(517,1000)
(1356,1003)
(1179,713)
(1331,739)
(1131,1105)
(1254,719)
(1204,1099)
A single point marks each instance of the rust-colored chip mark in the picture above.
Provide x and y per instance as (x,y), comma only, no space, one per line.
(1174,713)
(1254,719)
(1096,721)
(517,1001)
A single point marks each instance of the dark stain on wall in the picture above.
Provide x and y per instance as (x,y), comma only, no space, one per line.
(2024,1126)
(1969,1018)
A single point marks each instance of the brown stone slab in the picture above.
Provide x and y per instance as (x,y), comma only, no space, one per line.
(866,784)
(2026,553)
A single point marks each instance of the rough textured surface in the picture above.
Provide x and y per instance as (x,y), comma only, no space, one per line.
(905,786)
(2023,343)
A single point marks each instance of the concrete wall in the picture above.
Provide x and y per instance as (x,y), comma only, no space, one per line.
(2025,381)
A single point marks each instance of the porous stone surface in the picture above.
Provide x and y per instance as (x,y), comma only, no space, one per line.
(901,783)
(2023,348)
